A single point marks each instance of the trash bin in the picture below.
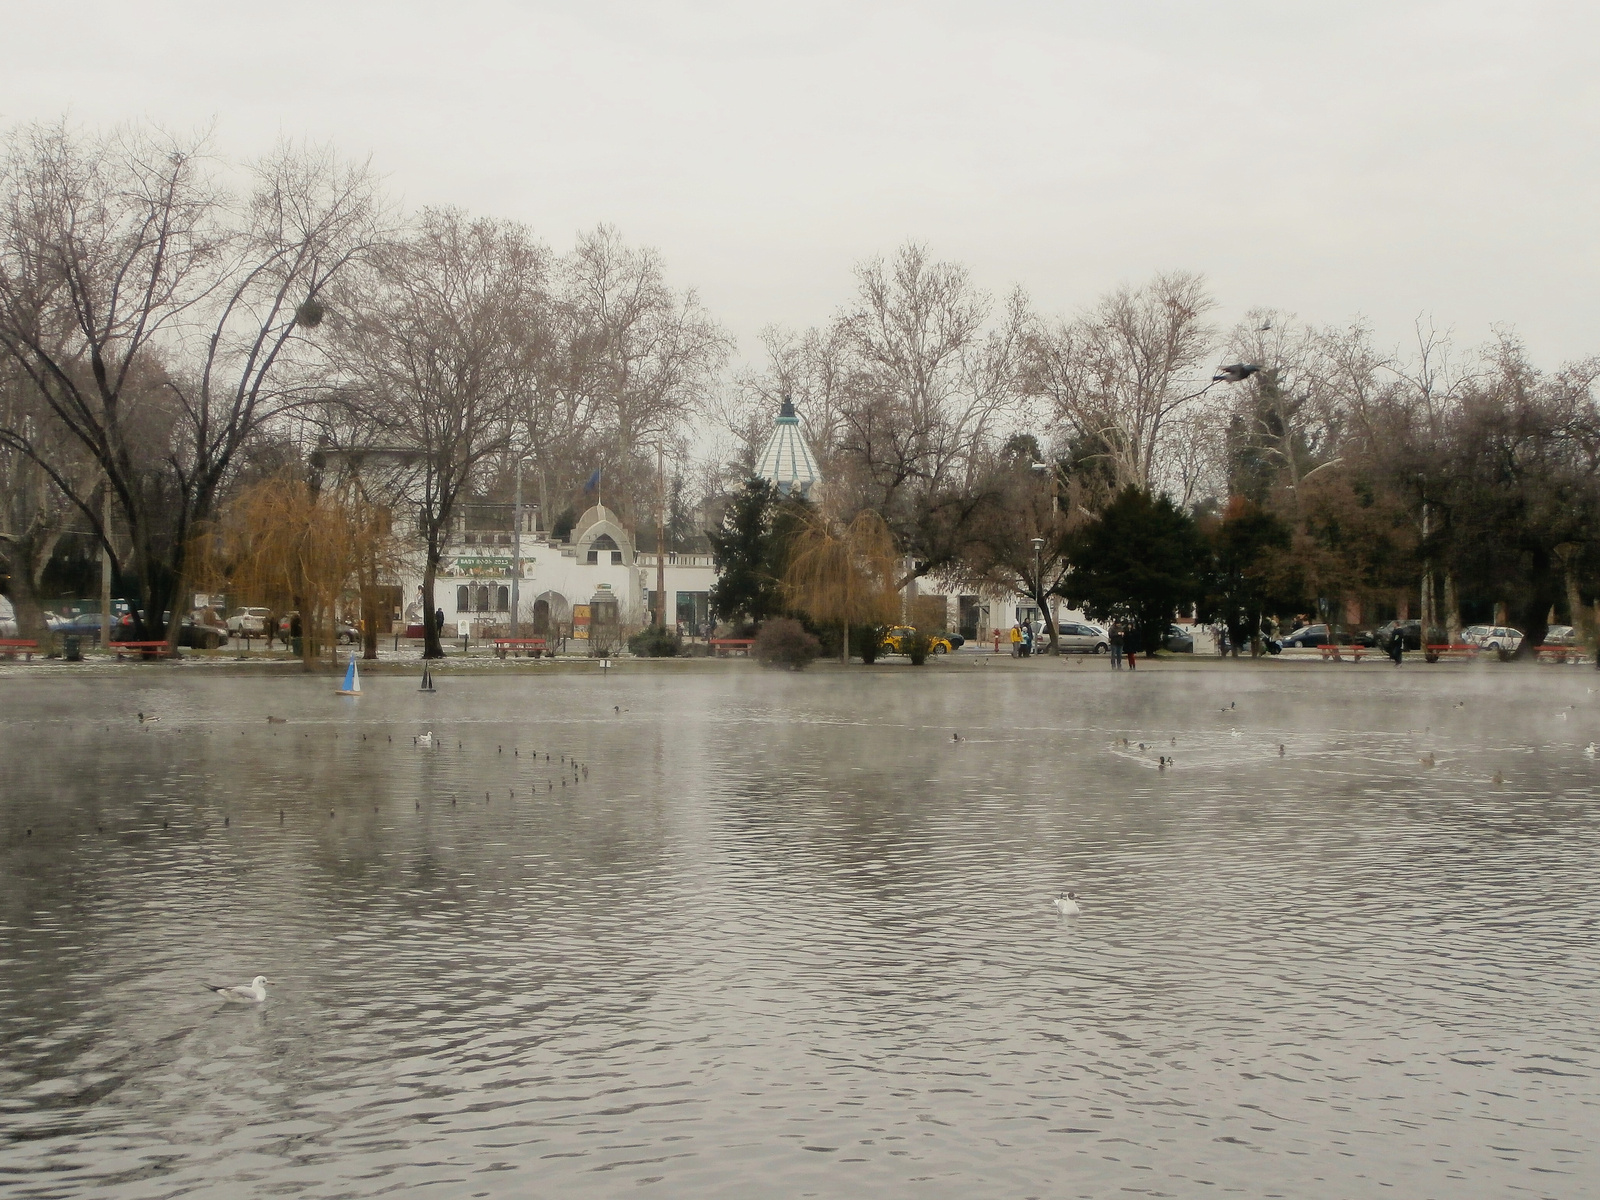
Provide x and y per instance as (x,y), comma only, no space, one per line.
(70,650)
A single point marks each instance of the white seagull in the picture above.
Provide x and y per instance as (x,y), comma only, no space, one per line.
(1067,904)
(1590,749)
(426,739)
(255,992)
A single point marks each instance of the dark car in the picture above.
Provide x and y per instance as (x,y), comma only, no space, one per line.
(199,636)
(1179,640)
(191,634)
(1409,632)
(1307,636)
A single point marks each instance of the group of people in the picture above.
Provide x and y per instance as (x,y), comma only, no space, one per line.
(1123,643)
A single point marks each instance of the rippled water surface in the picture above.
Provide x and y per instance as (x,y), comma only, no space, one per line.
(782,935)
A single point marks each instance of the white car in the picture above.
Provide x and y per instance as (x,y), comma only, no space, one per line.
(1492,637)
(251,622)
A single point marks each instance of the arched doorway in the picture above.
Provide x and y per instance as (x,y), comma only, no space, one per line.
(550,612)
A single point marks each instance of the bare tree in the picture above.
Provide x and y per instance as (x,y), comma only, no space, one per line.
(161,321)
(442,358)
(931,390)
(638,359)
(1118,374)
(34,511)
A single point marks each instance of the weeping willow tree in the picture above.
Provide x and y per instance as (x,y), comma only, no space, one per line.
(844,573)
(293,547)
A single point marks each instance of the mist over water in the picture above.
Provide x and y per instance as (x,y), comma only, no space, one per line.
(786,935)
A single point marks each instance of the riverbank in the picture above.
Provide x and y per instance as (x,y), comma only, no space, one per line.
(229,664)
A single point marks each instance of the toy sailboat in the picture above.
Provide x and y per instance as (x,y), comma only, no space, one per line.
(352,681)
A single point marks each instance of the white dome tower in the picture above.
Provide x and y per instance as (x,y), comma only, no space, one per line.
(786,459)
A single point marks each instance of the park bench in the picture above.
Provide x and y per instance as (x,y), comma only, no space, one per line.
(143,649)
(1558,654)
(1462,650)
(11,647)
(533,647)
(731,646)
(1337,652)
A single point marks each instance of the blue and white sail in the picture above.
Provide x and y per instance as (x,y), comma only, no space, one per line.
(352,680)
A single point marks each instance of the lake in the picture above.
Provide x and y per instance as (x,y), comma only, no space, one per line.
(783,934)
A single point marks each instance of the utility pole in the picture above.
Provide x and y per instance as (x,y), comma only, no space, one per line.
(661,538)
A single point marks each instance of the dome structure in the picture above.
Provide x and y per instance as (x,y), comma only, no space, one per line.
(786,459)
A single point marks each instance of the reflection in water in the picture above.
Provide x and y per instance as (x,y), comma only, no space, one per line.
(788,934)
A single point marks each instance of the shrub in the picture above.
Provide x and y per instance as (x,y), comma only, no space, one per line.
(652,642)
(917,644)
(866,642)
(784,642)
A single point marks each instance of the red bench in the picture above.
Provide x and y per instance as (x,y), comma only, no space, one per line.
(11,647)
(1337,652)
(1558,654)
(144,649)
(533,647)
(731,646)
(1462,650)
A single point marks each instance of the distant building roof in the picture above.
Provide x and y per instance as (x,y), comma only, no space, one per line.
(786,459)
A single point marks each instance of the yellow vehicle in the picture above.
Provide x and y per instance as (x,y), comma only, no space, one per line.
(898,641)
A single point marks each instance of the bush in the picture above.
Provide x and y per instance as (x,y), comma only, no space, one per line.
(917,645)
(652,642)
(866,642)
(784,642)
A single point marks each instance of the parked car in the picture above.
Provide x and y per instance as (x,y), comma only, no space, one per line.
(84,625)
(897,641)
(1307,636)
(199,636)
(1492,637)
(1561,635)
(1409,632)
(249,622)
(1079,638)
(1179,640)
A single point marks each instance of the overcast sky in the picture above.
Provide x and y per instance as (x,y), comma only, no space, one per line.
(1383,159)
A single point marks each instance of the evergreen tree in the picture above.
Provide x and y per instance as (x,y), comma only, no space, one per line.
(1136,563)
(1249,573)
(751,552)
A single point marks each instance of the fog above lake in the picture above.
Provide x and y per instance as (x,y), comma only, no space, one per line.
(785,931)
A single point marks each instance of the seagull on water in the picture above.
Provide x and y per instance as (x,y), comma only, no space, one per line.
(1067,904)
(425,739)
(254,992)
(1590,749)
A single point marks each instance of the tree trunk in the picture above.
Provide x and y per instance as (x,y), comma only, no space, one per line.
(432,647)
(369,620)
(25,594)
(844,647)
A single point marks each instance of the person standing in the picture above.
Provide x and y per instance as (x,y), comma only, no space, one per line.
(1016,640)
(1130,646)
(1027,639)
(1115,637)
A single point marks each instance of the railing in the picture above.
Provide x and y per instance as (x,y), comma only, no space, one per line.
(674,560)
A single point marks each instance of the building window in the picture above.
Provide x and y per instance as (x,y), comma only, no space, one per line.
(502,598)
(463,603)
